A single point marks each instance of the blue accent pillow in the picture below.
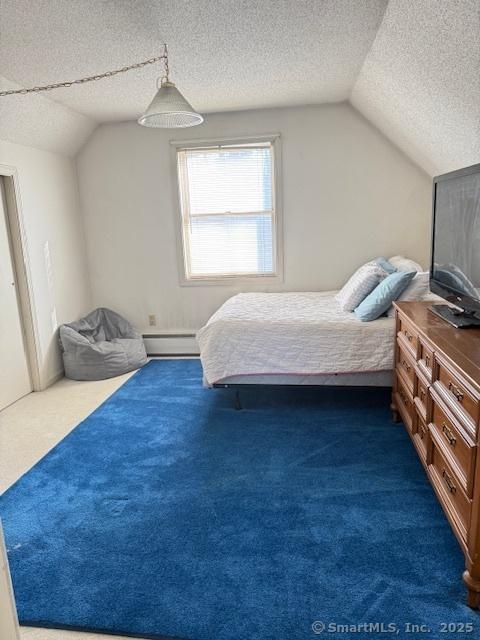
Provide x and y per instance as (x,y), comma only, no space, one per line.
(379,301)
(386,265)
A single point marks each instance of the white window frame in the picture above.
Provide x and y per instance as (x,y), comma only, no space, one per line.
(226,280)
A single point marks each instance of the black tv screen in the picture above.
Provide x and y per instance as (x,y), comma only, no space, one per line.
(455,267)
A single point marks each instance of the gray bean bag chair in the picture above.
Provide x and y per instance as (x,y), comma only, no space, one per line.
(101,345)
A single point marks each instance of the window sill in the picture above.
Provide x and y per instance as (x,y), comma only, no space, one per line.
(231,281)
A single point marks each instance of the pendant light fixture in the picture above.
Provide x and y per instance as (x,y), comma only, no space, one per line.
(169,109)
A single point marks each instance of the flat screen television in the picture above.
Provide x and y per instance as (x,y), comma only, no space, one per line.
(455,257)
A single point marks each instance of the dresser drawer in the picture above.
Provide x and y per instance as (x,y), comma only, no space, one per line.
(420,435)
(408,335)
(405,366)
(450,493)
(425,359)
(404,402)
(457,393)
(456,446)
(421,396)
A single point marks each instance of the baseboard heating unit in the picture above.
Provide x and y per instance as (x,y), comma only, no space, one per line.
(171,344)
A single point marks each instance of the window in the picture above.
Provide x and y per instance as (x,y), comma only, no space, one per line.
(228,210)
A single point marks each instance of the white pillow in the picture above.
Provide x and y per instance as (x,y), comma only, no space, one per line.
(405,264)
(418,289)
(357,288)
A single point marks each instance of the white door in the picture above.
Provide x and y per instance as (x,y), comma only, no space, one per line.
(8,613)
(14,375)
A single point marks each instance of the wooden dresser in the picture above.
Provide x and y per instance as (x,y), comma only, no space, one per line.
(436,392)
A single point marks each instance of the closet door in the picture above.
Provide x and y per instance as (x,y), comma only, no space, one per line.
(14,374)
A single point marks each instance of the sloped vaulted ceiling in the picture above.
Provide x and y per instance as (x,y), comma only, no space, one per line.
(39,122)
(420,82)
(411,67)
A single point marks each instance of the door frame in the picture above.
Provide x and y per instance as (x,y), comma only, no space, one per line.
(22,271)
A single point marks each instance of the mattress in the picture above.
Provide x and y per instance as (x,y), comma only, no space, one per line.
(292,333)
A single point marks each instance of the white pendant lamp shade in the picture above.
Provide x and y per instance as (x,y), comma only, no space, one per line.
(170,110)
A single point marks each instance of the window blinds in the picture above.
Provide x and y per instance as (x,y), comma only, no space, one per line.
(228,211)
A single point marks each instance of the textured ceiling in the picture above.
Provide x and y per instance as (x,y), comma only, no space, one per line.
(420,83)
(39,122)
(412,67)
(225,54)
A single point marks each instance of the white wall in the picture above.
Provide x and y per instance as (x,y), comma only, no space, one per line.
(348,195)
(50,209)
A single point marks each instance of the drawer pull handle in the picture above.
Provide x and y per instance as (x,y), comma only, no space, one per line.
(448,481)
(427,360)
(408,336)
(403,397)
(406,366)
(456,391)
(421,433)
(422,395)
(449,435)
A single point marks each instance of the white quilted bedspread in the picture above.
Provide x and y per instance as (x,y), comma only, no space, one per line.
(304,333)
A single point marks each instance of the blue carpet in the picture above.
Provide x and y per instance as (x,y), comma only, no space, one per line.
(167,513)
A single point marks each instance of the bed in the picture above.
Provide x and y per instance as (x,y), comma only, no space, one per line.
(294,339)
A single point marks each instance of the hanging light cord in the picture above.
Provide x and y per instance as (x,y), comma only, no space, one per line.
(165,62)
(100,76)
